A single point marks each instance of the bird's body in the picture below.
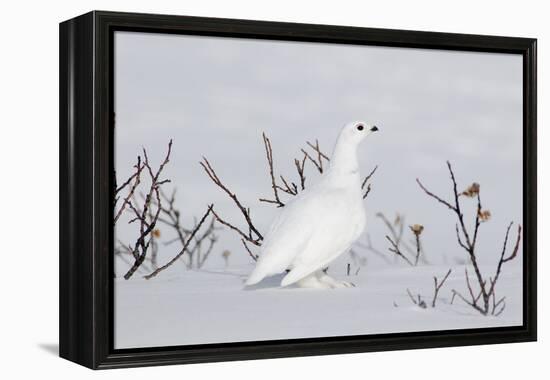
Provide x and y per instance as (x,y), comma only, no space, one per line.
(319,224)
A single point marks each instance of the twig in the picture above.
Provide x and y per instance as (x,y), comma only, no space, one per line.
(437,287)
(417,240)
(269,155)
(411,297)
(503,252)
(318,162)
(434,196)
(300,169)
(396,230)
(396,250)
(254,257)
(367,178)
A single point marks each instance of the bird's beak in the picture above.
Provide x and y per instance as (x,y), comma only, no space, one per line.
(374,128)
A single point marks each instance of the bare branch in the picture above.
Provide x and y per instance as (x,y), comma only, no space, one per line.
(318,165)
(470,290)
(516,247)
(289,189)
(438,285)
(137,176)
(146,227)
(318,161)
(396,250)
(502,258)
(247,237)
(418,249)
(316,148)
(300,169)
(365,183)
(455,292)
(460,240)
(411,297)
(254,257)
(213,176)
(141,244)
(434,196)
(269,156)
(183,250)
(368,177)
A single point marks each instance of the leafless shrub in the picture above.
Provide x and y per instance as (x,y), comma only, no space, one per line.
(151,208)
(411,252)
(185,246)
(438,284)
(279,185)
(418,300)
(483,299)
(416,230)
(144,214)
(202,245)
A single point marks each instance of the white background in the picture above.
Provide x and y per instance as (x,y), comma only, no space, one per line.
(29,187)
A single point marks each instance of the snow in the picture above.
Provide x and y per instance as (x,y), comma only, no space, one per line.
(184,307)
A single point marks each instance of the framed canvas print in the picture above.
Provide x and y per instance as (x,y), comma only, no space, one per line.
(238,189)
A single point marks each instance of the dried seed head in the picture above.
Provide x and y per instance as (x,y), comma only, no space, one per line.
(226,253)
(472,190)
(417,229)
(484,215)
(397,219)
(156,233)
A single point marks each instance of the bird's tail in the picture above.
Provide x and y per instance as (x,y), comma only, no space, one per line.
(256,276)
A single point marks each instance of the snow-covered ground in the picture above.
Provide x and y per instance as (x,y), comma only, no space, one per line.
(212,306)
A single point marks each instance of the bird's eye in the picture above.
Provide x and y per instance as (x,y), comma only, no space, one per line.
(360,127)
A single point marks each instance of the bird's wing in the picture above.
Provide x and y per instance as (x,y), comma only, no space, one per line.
(309,233)
(335,230)
(288,235)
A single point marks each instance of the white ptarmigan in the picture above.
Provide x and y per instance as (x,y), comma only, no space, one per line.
(319,224)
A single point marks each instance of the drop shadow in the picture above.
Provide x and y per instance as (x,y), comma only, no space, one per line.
(51,348)
(273,282)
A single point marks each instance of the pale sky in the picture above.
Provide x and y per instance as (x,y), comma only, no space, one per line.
(215,96)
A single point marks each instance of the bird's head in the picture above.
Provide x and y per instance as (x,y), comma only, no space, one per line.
(355,131)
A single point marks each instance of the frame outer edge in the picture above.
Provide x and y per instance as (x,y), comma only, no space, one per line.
(530,184)
(76,277)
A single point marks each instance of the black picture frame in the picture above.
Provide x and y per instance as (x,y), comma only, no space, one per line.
(86,179)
